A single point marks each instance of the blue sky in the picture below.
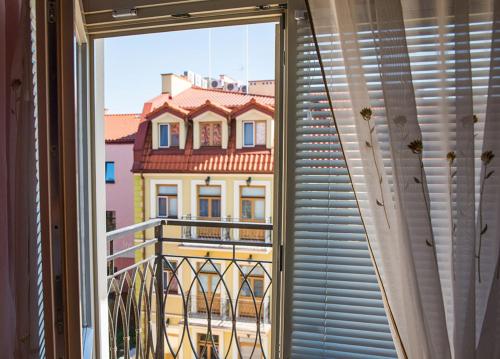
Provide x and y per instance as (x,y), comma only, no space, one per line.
(133,64)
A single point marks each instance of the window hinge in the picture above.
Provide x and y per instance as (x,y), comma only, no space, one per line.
(51,18)
(300,15)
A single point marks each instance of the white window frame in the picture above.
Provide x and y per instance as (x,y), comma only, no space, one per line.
(167,197)
(169,140)
(179,277)
(153,184)
(253,133)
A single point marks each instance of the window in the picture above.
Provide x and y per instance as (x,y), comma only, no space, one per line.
(248,134)
(252,209)
(169,135)
(110,221)
(211,134)
(110,172)
(167,201)
(254,284)
(208,346)
(170,282)
(254,133)
(209,208)
(208,281)
(250,347)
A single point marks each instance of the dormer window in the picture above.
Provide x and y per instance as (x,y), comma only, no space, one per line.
(168,135)
(254,133)
(211,134)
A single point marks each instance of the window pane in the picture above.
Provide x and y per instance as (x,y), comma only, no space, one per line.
(163,135)
(259,209)
(210,268)
(205,134)
(253,192)
(110,172)
(174,134)
(210,190)
(162,206)
(215,208)
(246,209)
(248,134)
(167,190)
(245,289)
(217,134)
(203,211)
(260,133)
(110,221)
(258,289)
(172,207)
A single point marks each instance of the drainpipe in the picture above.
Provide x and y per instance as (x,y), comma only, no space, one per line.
(143,212)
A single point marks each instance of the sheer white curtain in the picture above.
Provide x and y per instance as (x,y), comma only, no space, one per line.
(426,75)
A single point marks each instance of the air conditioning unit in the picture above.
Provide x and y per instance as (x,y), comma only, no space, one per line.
(244,89)
(216,84)
(233,86)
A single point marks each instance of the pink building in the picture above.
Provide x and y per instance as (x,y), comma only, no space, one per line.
(119,131)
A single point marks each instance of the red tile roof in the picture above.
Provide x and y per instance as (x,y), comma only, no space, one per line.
(187,105)
(196,96)
(121,128)
(248,160)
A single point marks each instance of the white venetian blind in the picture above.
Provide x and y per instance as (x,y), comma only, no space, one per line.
(337,309)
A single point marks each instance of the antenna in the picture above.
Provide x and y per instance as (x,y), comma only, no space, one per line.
(246,60)
(209,55)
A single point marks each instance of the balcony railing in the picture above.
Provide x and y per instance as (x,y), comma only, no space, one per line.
(189,301)
(226,232)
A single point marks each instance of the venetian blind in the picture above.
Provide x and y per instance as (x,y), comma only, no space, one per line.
(337,309)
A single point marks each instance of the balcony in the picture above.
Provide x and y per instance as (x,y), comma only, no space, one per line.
(216,304)
(225,232)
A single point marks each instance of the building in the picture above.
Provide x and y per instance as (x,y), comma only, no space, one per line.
(205,154)
(261,87)
(119,132)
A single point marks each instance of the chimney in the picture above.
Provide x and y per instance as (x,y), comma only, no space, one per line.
(173,84)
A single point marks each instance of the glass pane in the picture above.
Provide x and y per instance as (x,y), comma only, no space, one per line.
(248,134)
(205,134)
(172,207)
(110,172)
(258,287)
(167,190)
(215,281)
(260,133)
(162,206)
(163,135)
(253,192)
(174,134)
(210,268)
(203,207)
(259,209)
(217,134)
(245,289)
(216,208)
(246,209)
(209,190)
(203,282)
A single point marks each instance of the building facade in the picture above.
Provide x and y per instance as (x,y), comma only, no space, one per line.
(204,154)
(119,132)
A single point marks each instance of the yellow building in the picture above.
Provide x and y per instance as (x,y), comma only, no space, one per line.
(200,155)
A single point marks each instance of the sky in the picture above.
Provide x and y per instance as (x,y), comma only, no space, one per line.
(133,64)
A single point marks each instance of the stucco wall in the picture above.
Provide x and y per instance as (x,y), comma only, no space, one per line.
(120,195)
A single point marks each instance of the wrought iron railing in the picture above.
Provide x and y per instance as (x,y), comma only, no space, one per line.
(193,301)
(226,232)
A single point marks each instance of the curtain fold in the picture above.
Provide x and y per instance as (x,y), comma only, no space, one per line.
(19,300)
(412,121)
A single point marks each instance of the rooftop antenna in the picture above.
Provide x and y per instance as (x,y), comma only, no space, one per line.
(246,55)
(209,56)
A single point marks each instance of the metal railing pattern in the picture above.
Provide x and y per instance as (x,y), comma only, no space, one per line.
(141,297)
